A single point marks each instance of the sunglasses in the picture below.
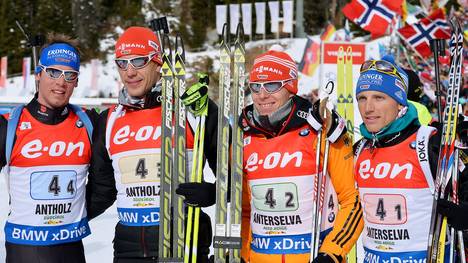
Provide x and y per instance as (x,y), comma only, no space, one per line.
(137,62)
(55,73)
(270,87)
(382,66)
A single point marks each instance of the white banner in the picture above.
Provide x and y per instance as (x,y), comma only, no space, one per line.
(3,71)
(247,18)
(26,72)
(221,18)
(274,14)
(234,15)
(260,14)
(288,8)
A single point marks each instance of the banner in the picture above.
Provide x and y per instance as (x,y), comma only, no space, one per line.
(260,15)
(221,17)
(247,18)
(288,8)
(3,71)
(234,15)
(311,58)
(26,72)
(274,14)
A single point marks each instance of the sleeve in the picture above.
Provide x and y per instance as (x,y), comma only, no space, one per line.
(245,227)
(94,117)
(100,189)
(211,134)
(349,222)
(3,132)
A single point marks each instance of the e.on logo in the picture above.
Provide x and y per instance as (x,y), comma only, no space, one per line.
(384,169)
(272,160)
(35,149)
(142,134)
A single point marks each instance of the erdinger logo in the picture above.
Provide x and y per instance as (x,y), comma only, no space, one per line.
(261,69)
(273,160)
(384,169)
(61,51)
(144,133)
(35,149)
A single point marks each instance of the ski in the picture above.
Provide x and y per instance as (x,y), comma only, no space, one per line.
(164,251)
(340,82)
(237,148)
(179,151)
(446,159)
(222,169)
(349,91)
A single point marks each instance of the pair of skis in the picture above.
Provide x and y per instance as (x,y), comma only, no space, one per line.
(447,166)
(345,89)
(229,236)
(345,103)
(173,152)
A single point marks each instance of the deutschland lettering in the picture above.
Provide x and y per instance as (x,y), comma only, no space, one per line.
(388,234)
(52,209)
(277,220)
(139,191)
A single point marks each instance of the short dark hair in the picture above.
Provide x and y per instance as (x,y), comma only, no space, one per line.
(54,38)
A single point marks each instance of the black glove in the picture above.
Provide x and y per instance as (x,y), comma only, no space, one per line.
(325,258)
(462,131)
(457,215)
(198,194)
(336,125)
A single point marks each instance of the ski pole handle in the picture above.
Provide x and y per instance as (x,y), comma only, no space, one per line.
(438,49)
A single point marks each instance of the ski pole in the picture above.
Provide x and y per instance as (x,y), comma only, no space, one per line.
(320,178)
(196,99)
(159,24)
(438,49)
(33,42)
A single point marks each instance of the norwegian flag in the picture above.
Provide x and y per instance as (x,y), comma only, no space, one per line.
(373,15)
(418,35)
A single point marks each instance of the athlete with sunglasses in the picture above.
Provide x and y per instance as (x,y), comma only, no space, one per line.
(280,142)
(45,150)
(396,162)
(127,154)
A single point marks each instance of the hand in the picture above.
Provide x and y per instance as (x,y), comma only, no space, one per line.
(457,215)
(335,124)
(325,258)
(198,194)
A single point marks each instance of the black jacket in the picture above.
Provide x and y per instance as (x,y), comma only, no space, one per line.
(139,241)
